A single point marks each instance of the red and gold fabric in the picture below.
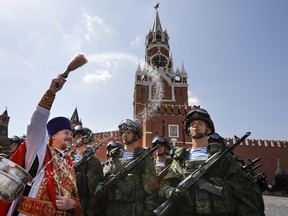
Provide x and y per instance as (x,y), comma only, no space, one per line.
(59,177)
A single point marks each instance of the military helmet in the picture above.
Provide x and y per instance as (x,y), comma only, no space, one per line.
(128,124)
(113,148)
(15,139)
(112,144)
(198,114)
(88,135)
(78,130)
(161,140)
(86,131)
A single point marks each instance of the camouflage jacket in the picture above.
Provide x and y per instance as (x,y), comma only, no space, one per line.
(142,181)
(160,168)
(240,195)
(88,177)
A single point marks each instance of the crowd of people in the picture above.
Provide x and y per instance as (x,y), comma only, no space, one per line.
(53,150)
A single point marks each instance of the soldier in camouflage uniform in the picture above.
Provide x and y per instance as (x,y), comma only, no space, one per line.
(15,142)
(112,148)
(239,196)
(162,159)
(88,175)
(142,195)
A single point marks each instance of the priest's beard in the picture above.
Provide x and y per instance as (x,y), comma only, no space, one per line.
(66,145)
(63,147)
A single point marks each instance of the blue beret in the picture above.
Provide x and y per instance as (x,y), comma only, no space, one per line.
(57,124)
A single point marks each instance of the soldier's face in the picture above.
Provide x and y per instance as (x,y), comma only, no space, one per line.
(198,129)
(128,137)
(14,147)
(162,150)
(78,140)
(78,137)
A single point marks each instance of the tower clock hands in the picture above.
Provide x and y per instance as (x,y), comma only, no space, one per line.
(159,60)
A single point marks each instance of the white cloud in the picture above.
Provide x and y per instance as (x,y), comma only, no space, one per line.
(112,59)
(193,100)
(137,41)
(107,65)
(97,77)
(95,27)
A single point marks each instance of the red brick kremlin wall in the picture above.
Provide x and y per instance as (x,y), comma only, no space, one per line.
(270,152)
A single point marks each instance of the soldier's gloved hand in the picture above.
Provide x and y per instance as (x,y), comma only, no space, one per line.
(175,196)
(172,195)
(99,192)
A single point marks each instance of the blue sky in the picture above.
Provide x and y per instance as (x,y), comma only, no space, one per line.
(234,51)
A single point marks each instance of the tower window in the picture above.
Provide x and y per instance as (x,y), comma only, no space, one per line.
(158,37)
(173,130)
(177,78)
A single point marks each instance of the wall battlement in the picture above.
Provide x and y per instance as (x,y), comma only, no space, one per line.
(177,110)
(260,143)
(182,110)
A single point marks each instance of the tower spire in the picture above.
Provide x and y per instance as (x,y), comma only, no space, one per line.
(156,23)
(4,121)
(75,120)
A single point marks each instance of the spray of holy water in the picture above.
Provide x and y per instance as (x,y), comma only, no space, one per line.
(156,87)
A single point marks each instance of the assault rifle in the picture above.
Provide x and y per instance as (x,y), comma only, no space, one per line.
(251,164)
(163,173)
(86,156)
(117,179)
(251,171)
(196,178)
(260,180)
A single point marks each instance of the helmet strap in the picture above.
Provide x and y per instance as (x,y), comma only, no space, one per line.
(134,139)
(129,142)
(201,135)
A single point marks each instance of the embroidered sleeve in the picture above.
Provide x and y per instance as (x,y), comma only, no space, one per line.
(47,99)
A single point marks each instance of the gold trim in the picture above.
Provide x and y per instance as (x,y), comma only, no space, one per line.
(35,207)
(47,99)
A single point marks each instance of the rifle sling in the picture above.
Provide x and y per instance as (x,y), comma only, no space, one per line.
(123,187)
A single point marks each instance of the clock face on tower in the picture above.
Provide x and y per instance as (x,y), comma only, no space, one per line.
(159,60)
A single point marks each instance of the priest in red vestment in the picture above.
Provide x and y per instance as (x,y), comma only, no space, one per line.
(53,191)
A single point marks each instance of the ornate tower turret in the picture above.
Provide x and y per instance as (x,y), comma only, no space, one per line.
(4,140)
(4,121)
(75,118)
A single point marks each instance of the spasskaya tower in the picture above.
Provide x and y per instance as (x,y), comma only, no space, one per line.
(160,87)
